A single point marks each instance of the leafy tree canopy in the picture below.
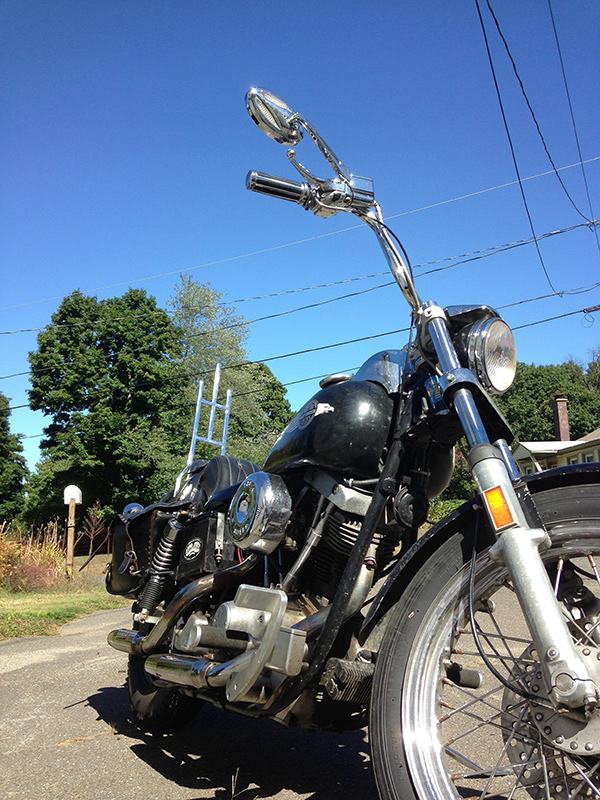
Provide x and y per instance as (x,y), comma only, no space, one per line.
(104,373)
(13,469)
(118,379)
(211,333)
(528,403)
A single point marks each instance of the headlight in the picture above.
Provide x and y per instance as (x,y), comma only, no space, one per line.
(489,348)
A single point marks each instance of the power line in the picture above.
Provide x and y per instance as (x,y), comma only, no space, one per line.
(531,111)
(587,311)
(575,291)
(307,240)
(564,75)
(510,142)
(462,259)
(241,394)
(184,375)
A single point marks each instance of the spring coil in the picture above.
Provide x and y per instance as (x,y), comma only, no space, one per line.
(162,564)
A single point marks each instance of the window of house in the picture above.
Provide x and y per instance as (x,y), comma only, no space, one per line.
(572,459)
(588,458)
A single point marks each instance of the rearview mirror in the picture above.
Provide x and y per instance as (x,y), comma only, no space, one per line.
(273,116)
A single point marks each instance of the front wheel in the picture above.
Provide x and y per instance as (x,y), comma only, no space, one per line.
(433,739)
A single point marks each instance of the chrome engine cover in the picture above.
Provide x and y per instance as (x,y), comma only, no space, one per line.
(259,513)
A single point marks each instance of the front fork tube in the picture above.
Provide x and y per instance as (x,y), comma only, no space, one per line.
(565,674)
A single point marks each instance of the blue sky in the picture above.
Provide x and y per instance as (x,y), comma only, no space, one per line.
(125,145)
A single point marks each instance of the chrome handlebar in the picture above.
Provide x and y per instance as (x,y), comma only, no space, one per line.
(325,198)
(281,188)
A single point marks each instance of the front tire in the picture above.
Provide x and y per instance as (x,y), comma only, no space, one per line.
(434,740)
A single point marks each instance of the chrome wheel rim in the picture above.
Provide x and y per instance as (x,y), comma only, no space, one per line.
(490,743)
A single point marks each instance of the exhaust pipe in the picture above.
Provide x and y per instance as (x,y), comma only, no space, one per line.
(183,670)
(133,643)
(198,673)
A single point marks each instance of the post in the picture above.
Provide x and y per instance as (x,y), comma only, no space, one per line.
(70,537)
(72,496)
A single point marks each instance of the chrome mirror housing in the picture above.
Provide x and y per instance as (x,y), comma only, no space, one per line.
(273,116)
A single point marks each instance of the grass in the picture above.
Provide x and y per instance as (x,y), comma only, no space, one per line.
(43,612)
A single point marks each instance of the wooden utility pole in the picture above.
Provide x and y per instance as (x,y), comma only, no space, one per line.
(72,496)
(70,537)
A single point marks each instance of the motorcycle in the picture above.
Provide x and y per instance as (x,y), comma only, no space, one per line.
(302,591)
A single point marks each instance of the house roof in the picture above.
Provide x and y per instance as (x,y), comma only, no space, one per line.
(541,448)
(528,449)
(591,437)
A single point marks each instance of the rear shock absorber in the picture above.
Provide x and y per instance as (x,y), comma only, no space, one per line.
(161,567)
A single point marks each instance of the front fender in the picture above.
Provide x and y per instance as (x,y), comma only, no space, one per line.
(460,519)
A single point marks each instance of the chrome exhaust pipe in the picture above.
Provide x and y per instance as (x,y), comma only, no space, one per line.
(183,670)
(122,639)
(133,643)
(198,673)
(191,671)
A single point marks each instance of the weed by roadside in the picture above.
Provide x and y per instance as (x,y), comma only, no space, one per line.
(30,559)
(36,596)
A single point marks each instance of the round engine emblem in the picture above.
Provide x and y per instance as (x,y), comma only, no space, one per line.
(259,513)
(192,549)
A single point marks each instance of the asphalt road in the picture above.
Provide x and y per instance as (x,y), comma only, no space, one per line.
(66,734)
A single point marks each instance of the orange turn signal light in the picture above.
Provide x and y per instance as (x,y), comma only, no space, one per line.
(498,507)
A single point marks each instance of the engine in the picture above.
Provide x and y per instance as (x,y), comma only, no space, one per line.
(317,537)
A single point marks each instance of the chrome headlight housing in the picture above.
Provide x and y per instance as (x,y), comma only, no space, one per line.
(488,348)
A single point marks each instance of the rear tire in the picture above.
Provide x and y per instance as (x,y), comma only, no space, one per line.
(157,708)
(434,740)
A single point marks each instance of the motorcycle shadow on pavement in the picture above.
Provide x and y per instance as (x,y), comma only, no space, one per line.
(223,755)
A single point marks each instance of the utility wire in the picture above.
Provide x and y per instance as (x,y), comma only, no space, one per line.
(587,311)
(462,259)
(304,241)
(139,351)
(183,375)
(510,142)
(564,75)
(531,111)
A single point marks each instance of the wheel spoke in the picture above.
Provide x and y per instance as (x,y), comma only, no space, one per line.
(586,779)
(502,739)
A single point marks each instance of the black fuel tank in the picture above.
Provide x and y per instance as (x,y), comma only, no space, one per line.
(343,428)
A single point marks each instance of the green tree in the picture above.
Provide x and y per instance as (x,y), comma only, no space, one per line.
(13,468)
(211,333)
(104,373)
(462,485)
(259,411)
(528,403)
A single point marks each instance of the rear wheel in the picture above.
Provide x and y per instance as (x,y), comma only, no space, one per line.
(154,707)
(433,739)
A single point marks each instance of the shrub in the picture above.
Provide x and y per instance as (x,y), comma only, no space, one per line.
(30,560)
(9,557)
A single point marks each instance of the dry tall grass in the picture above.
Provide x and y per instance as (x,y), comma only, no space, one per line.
(30,558)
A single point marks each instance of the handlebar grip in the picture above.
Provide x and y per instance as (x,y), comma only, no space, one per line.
(281,188)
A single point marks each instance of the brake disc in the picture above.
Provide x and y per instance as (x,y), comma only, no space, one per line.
(537,736)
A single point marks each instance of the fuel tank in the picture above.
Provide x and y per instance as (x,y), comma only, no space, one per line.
(343,428)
